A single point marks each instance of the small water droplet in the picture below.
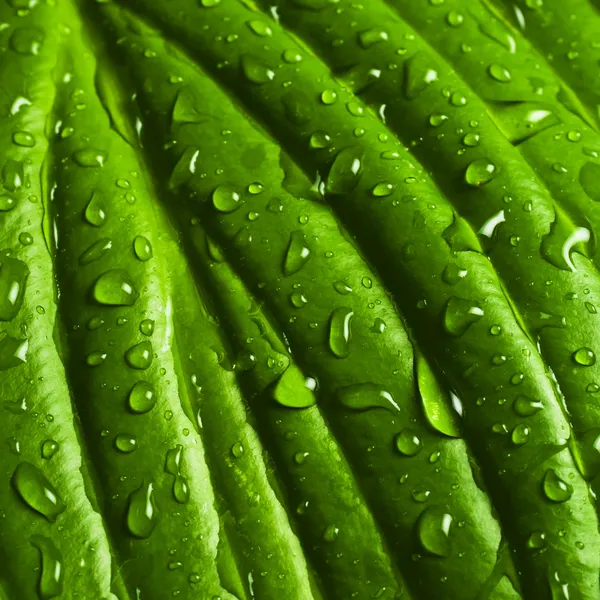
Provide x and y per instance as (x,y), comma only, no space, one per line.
(433,529)
(260,28)
(537,540)
(297,254)
(370,37)
(225,198)
(27,41)
(256,71)
(382,189)
(142,248)
(499,73)
(520,435)
(418,74)
(480,172)
(13,278)
(141,397)
(95,213)
(96,358)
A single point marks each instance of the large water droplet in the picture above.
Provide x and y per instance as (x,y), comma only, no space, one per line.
(584,357)
(292,391)
(408,442)
(433,529)
(142,511)
(418,74)
(297,253)
(181,491)
(142,248)
(115,288)
(36,491)
(125,442)
(13,277)
(340,332)
(142,397)
(499,73)
(185,168)
(225,198)
(480,172)
(139,356)
(52,573)
(345,171)
(366,396)
(460,314)
(555,488)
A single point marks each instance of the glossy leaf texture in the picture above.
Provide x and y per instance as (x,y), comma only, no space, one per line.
(298,299)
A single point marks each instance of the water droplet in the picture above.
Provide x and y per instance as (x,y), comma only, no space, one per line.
(536,540)
(50,583)
(260,28)
(49,449)
(437,119)
(125,442)
(455,18)
(13,277)
(329,96)
(433,529)
(520,435)
(340,331)
(142,248)
(237,450)
(13,175)
(341,287)
(90,157)
(555,488)
(226,199)
(298,299)
(291,56)
(147,327)
(173,462)
(526,407)
(27,41)
(36,491)
(366,396)
(141,397)
(460,314)
(13,351)
(499,73)
(292,391)
(96,358)
(256,71)
(319,140)
(584,357)
(330,534)
(24,139)
(25,238)
(437,404)
(139,356)
(471,140)
(142,511)
(95,213)
(408,442)
(589,175)
(383,188)
(95,252)
(297,254)
(453,274)
(209,3)
(370,37)
(480,172)
(345,171)
(418,74)
(115,288)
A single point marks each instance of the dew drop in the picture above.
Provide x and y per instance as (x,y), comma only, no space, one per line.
(340,332)
(49,448)
(460,314)
(480,172)
(142,248)
(141,397)
(13,278)
(408,442)
(297,254)
(90,157)
(433,529)
(584,357)
(115,288)
(256,71)
(50,584)
(139,356)
(418,74)
(173,462)
(36,491)
(555,488)
(125,442)
(142,511)
(345,171)
(366,396)
(225,198)
(499,73)
(526,407)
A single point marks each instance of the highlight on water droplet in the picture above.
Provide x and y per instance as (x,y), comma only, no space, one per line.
(555,488)
(142,248)
(225,198)
(346,171)
(480,172)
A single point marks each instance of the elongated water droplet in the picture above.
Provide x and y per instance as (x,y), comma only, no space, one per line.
(142,397)
(142,248)
(346,171)
(90,157)
(13,175)
(418,74)
(142,511)
(555,488)
(499,73)
(96,251)
(480,172)
(95,213)
(526,407)
(13,277)
(437,403)
(292,391)
(366,396)
(173,460)
(340,332)
(24,139)
(36,491)
(115,288)
(297,253)
(139,356)
(460,314)
(433,529)
(50,583)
